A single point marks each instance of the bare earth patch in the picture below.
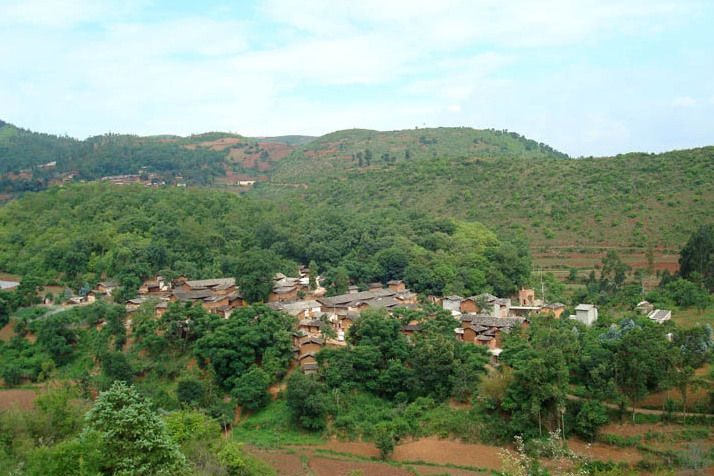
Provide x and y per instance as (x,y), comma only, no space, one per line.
(602,452)
(331,467)
(434,450)
(22,399)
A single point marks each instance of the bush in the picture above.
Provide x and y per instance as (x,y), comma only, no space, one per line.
(385,439)
(190,391)
(307,400)
(251,389)
(237,463)
(590,418)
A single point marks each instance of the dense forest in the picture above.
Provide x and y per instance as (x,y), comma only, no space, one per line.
(85,233)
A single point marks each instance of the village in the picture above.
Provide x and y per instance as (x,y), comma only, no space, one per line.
(322,320)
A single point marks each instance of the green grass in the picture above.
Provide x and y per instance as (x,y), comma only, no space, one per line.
(691,317)
(273,428)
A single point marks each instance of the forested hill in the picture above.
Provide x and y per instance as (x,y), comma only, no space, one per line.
(83,233)
(31,161)
(507,182)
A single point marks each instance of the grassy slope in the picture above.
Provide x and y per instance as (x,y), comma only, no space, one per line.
(510,184)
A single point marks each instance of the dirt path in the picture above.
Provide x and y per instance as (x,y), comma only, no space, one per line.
(645,411)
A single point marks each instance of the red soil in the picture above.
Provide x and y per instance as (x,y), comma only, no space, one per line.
(434,450)
(604,452)
(628,429)
(331,467)
(21,399)
(7,332)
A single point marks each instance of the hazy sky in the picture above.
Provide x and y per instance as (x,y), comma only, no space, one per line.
(589,77)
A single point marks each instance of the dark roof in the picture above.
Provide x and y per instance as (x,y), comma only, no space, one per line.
(310,367)
(312,340)
(218,283)
(554,305)
(348,298)
(311,323)
(307,354)
(498,322)
(194,295)
(412,327)
(284,289)
(484,338)
(395,281)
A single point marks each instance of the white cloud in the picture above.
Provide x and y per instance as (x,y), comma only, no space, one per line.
(63,13)
(449,62)
(684,101)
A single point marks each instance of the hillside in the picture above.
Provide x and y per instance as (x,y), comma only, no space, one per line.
(33,161)
(577,206)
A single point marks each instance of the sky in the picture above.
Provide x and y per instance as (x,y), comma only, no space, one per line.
(588,77)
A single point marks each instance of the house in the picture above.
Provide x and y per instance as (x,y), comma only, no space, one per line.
(155,286)
(556,309)
(8,285)
(524,311)
(374,286)
(487,330)
(353,289)
(526,297)
(352,301)
(283,293)
(469,305)
(106,287)
(660,315)
(299,309)
(217,286)
(307,358)
(396,285)
(161,308)
(411,328)
(312,327)
(286,288)
(134,304)
(452,303)
(218,296)
(311,344)
(585,313)
(644,307)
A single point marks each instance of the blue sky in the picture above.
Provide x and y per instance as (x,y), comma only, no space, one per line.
(589,77)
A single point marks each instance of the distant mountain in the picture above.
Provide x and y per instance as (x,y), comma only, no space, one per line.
(289,140)
(509,183)
(33,161)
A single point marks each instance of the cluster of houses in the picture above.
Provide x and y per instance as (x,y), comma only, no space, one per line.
(485,318)
(220,295)
(324,320)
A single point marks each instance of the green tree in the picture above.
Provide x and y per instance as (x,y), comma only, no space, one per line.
(252,334)
(251,389)
(313,272)
(133,439)
(115,366)
(308,401)
(190,391)
(255,271)
(642,362)
(385,438)
(591,416)
(697,256)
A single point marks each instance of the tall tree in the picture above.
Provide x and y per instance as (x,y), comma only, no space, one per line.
(697,256)
(133,438)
